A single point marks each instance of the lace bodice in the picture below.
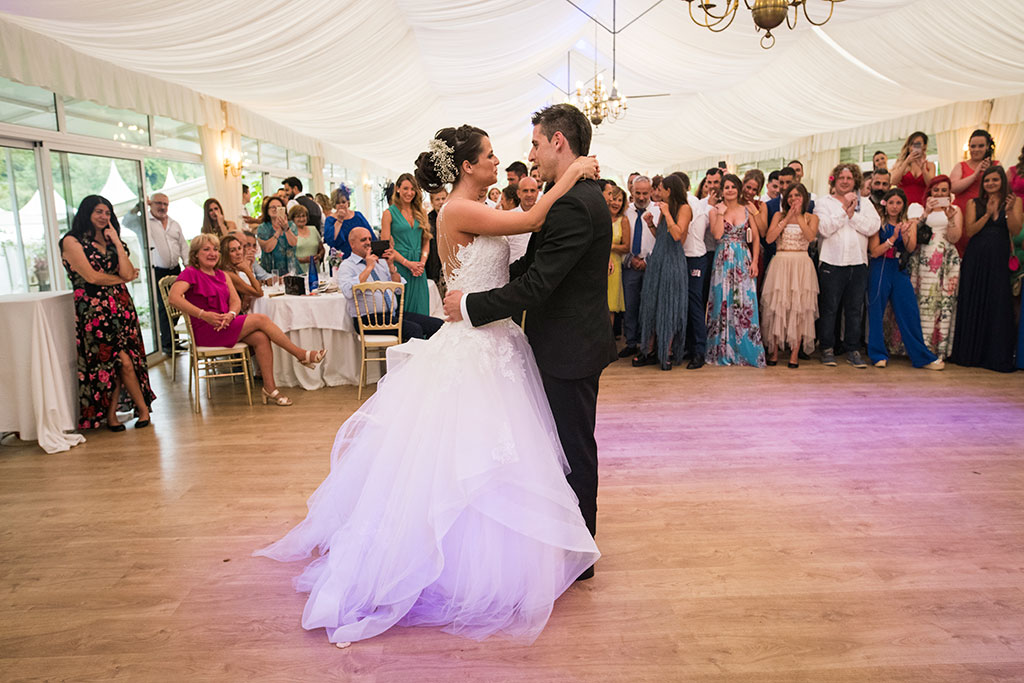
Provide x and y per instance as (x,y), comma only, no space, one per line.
(478,266)
(475,267)
(792,239)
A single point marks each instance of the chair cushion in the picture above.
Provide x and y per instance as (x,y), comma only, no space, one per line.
(221,350)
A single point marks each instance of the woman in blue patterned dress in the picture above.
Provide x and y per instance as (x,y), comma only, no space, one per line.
(663,300)
(734,332)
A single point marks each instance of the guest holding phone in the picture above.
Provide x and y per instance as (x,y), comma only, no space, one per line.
(277,237)
(965,178)
(935,266)
(309,249)
(377,264)
(912,171)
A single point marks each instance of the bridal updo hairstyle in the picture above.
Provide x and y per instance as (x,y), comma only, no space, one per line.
(465,140)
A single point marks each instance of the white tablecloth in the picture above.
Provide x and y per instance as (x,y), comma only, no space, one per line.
(316,322)
(322,321)
(38,373)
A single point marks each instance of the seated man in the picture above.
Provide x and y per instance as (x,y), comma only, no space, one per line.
(362,266)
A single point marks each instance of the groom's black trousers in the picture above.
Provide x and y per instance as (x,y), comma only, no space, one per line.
(574,406)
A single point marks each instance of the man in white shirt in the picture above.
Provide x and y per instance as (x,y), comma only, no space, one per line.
(245,218)
(363,266)
(698,262)
(168,249)
(641,215)
(846,220)
(527,191)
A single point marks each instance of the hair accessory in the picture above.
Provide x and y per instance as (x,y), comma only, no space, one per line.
(443,158)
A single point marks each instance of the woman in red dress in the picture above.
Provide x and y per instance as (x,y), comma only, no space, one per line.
(912,171)
(966,175)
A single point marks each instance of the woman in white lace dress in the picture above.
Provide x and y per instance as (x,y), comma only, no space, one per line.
(457,514)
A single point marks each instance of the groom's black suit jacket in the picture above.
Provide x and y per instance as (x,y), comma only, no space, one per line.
(562,284)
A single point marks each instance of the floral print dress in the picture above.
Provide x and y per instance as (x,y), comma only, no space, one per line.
(734,333)
(106,323)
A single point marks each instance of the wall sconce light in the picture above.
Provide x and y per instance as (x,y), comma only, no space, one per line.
(232,162)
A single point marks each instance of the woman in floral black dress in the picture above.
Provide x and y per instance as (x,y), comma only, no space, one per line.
(111,356)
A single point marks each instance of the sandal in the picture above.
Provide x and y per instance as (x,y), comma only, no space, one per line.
(313,360)
(277,397)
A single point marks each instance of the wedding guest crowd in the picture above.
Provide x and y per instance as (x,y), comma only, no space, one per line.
(765,266)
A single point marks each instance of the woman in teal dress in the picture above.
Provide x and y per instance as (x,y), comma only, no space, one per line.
(405,225)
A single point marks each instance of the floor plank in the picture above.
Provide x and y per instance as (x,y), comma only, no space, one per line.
(823,524)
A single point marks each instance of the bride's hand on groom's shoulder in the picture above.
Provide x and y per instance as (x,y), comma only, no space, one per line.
(588,167)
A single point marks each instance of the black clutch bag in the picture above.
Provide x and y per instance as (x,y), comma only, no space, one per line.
(294,285)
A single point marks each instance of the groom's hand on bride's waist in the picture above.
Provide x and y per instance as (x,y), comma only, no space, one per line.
(453,306)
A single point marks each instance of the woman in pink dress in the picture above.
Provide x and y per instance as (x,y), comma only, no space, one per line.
(965,176)
(207,295)
(912,171)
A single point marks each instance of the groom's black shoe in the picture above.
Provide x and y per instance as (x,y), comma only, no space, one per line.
(588,574)
(627,351)
(695,363)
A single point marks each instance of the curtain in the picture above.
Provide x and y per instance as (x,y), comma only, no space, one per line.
(227,188)
(1009,141)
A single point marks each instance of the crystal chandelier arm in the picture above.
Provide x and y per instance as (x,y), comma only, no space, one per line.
(832,8)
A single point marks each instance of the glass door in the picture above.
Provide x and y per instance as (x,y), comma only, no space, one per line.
(76,176)
(24,259)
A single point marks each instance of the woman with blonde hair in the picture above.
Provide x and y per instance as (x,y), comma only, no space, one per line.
(616,198)
(207,295)
(405,225)
(214,222)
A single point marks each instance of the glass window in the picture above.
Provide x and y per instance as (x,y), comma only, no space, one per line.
(298,162)
(95,120)
(171,134)
(251,150)
(273,155)
(24,262)
(185,187)
(24,105)
(254,180)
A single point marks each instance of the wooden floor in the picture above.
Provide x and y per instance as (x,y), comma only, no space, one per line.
(820,524)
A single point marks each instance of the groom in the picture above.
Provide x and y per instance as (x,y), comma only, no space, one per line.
(562,284)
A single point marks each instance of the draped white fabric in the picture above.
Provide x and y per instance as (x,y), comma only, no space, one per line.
(376,79)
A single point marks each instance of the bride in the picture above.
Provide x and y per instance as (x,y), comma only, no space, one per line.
(447,503)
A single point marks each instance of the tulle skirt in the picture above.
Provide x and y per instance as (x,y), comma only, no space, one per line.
(789,301)
(447,503)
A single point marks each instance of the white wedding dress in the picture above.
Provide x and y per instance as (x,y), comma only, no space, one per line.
(447,503)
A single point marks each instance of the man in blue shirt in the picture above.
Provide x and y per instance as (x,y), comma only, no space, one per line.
(363,266)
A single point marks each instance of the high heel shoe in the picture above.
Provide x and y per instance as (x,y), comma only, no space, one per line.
(116,428)
(140,424)
(277,397)
(313,360)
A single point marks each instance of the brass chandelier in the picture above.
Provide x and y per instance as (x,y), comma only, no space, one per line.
(767,14)
(597,104)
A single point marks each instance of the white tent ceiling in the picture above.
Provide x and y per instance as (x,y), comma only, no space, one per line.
(376,78)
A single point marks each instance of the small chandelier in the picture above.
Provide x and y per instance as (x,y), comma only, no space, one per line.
(597,104)
(767,14)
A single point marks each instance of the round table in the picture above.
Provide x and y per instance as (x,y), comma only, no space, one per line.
(320,321)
